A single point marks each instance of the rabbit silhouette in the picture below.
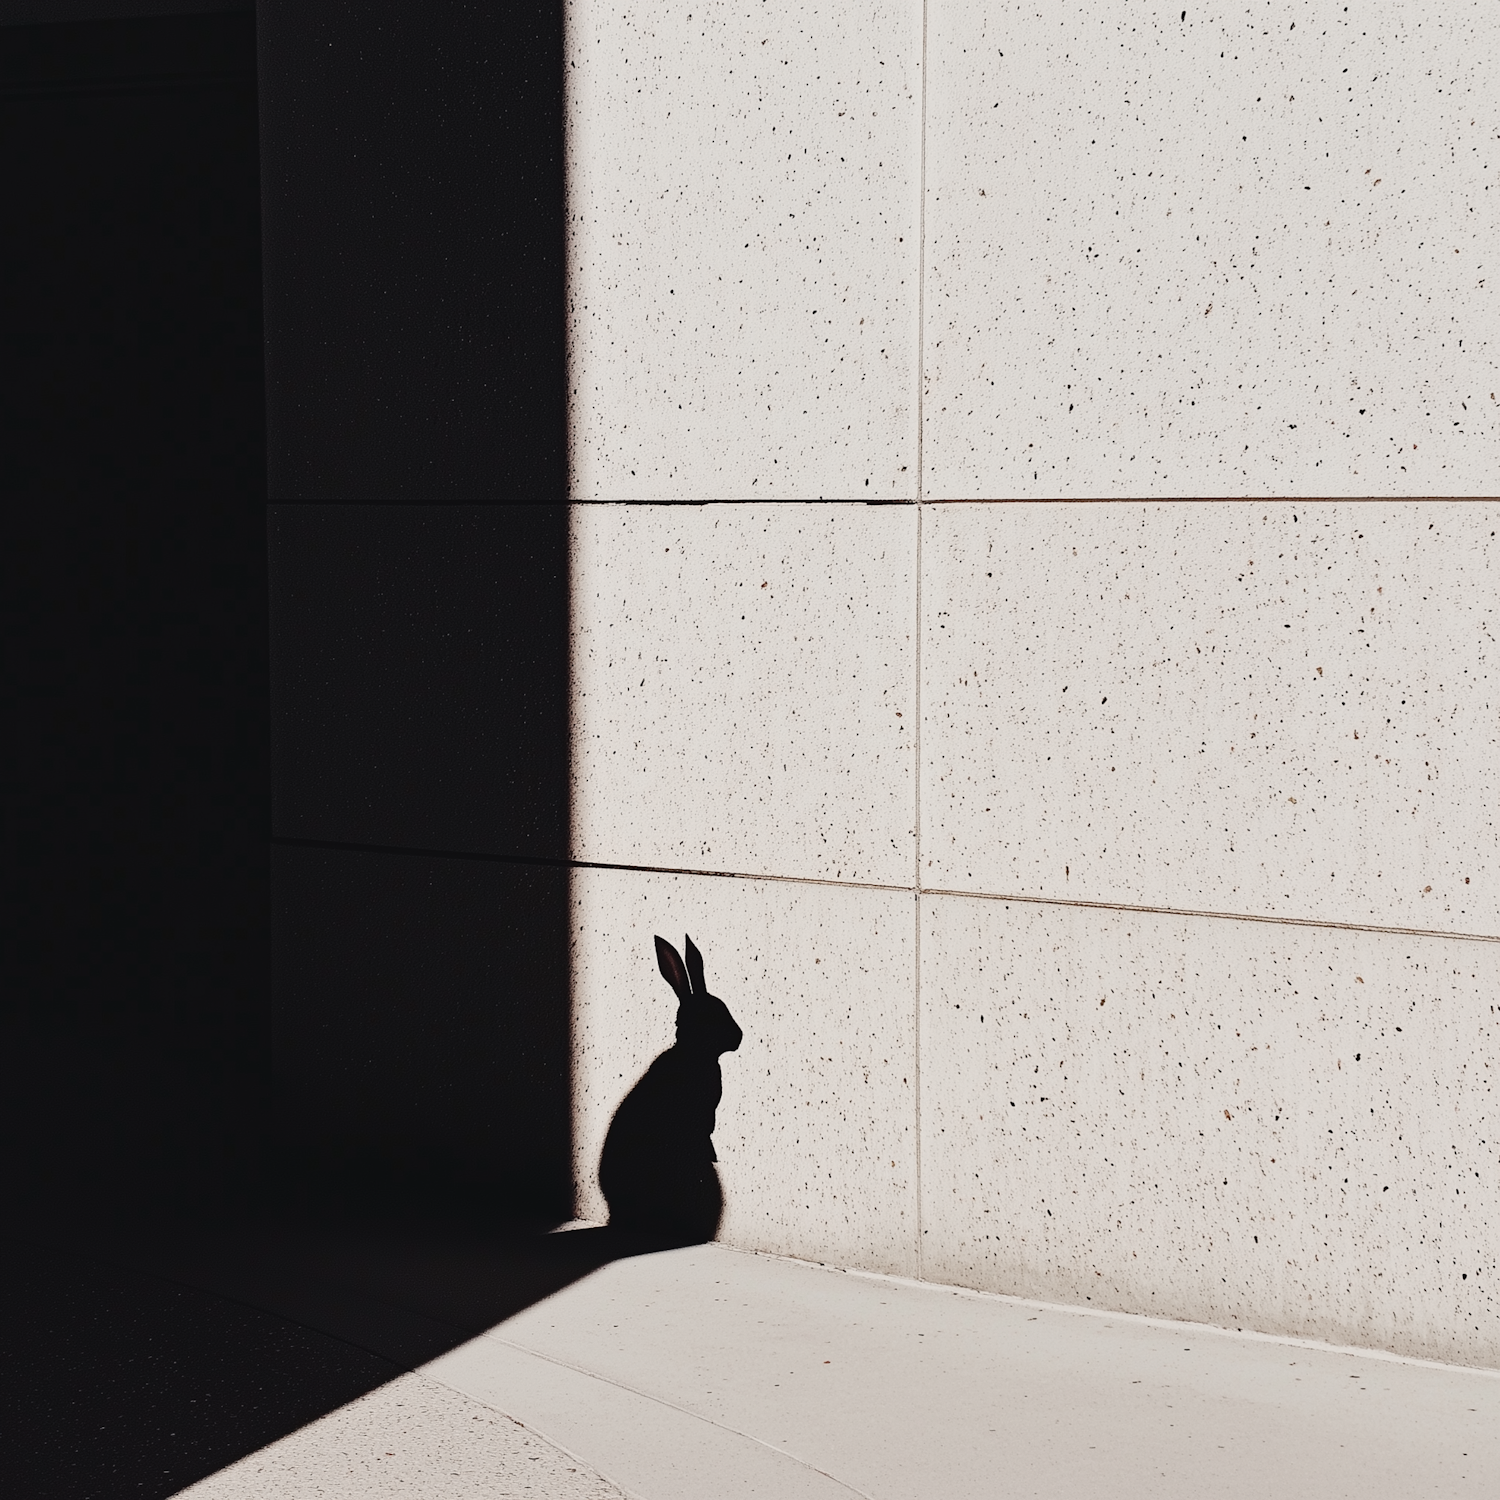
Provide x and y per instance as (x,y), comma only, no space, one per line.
(657,1167)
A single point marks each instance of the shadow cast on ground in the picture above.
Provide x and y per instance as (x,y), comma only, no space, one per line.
(143,1355)
(140,1359)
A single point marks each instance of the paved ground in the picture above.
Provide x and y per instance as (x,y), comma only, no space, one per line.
(706,1374)
(411,1438)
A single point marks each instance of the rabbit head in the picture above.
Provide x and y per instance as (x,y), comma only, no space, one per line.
(703,1020)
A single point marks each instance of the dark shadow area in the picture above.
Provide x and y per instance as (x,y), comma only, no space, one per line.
(236,1200)
(137,1050)
(422,1033)
(118,1382)
(166,1348)
(414,233)
(657,1167)
(168,1351)
(420,677)
(421,777)
(130,268)
(146,1351)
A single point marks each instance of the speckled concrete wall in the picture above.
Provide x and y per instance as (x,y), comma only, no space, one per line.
(1280,708)
(744,689)
(1252,1124)
(1111,1086)
(743,215)
(1220,250)
(1186,804)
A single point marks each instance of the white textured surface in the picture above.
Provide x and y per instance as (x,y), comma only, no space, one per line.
(816,1133)
(1275,708)
(1246,252)
(743,688)
(742,249)
(1219,253)
(649,1445)
(1283,1128)
(707,1373)
(413,1437)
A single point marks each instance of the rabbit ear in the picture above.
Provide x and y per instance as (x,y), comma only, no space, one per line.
(672,970)
(694,966)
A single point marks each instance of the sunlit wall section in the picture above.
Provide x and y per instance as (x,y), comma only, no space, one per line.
(743,220)
(1107,891)
(1210,985)
(744,772)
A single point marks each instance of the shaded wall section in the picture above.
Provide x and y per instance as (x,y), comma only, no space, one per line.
(137,1055)
(413,232)
(422,1024)
(412,160)
(421,681)
(420,733)
(131,277)
(421,999)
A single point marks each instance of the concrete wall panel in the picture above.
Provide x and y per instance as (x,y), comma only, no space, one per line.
(743,187)
(1248,1124)
(420,1012)
(816,1133)
(743,688)
(1162,258)
(1229,251)
(1277,709)
(419,658)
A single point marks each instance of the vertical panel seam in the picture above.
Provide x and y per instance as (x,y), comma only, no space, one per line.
(921,371)
(922,263)
(917,887)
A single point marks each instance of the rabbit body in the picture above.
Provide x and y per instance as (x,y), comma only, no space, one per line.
(657,1167)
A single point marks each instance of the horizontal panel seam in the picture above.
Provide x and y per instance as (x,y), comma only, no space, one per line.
(558,863)
(1217,500)
(760,502)
(1221,916)
(1062,500)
